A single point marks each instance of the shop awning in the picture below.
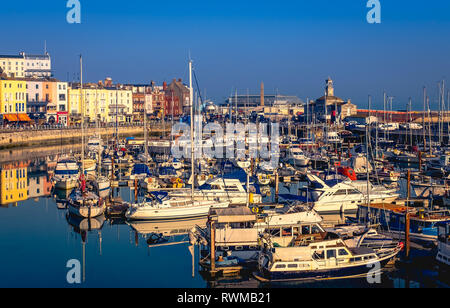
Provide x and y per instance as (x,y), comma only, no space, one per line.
(24,118)
(11,117)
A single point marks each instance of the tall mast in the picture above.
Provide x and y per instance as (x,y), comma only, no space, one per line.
(384,114)
(191,101)
(439,111)
(99,161)
(145,127)
(367,160)
(235,107)
(82,114)
(443,109)
(423,117)
(429,124)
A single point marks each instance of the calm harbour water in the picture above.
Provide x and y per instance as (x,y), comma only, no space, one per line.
(37,239)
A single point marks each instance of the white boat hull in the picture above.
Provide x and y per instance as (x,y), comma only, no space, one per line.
(86,211)
(154,213)
(343,206)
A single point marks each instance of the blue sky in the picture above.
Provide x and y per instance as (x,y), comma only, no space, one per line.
(293,46)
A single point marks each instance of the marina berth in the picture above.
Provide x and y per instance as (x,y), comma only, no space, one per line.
(242,232)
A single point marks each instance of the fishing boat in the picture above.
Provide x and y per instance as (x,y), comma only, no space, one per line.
(66,174)
(159,206)
(324,257)
(443,254)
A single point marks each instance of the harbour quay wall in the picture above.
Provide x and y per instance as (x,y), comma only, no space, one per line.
(58,136)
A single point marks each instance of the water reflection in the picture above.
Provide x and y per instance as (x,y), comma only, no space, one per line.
(151,254)
(14,185)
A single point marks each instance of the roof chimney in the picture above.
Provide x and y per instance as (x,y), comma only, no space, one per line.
(262,94)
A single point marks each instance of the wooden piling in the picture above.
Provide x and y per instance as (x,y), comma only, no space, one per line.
(213,247)
(407,237)
(135,190)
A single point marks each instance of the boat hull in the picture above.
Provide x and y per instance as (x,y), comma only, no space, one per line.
(86,211)
(151,213)
(66,184)
(329,273)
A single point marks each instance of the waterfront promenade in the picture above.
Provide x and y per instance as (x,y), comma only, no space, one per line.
(52,135)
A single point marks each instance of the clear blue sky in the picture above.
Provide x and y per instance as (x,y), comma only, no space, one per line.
(293,46)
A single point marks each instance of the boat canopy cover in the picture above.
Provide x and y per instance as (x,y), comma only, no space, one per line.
(167,171)
(160,195)
(242,177)
(141,169)
(229,215)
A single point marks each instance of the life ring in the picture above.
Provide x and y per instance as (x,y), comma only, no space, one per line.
(255,209)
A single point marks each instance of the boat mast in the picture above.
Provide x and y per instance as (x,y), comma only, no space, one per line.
(367,161)
(145,127)
(439,111)
(423,118)
(384,115)
(99,161)
(429,124)
(82,115)
(191,100)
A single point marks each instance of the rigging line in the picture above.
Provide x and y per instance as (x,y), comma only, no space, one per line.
(198,89)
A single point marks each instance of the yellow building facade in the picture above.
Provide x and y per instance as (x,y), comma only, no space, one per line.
(101,104)
(13,183)
(13,94)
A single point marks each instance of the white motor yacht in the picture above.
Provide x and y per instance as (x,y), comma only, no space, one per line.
(162,207)
(341,196)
